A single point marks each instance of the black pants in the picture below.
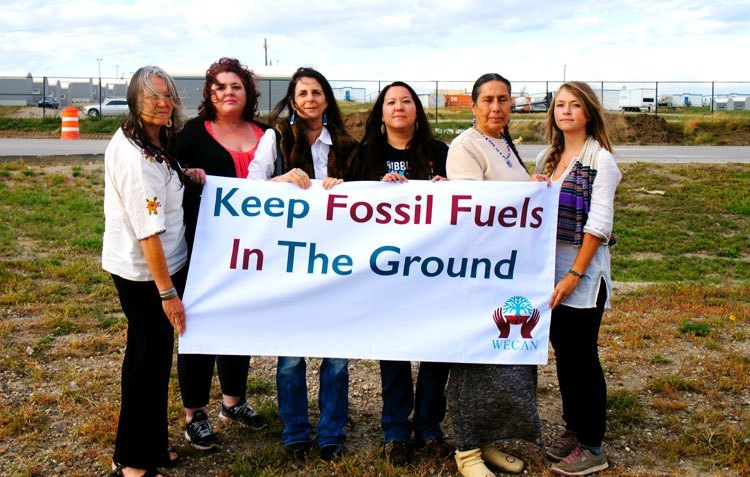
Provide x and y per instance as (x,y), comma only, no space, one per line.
(196,370)
(142,434)
(574,334)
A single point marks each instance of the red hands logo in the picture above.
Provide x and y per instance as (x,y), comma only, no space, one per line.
(528,323)
(502,323)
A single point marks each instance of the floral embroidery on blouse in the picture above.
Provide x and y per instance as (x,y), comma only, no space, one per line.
(152,205)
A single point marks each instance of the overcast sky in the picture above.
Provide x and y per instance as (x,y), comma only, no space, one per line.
(384,39)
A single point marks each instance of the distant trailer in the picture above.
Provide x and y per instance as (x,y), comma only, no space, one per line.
(721,104)
(457,100)
(740,103)
(637,100)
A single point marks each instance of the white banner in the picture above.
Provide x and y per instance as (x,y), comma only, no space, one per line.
(452,271)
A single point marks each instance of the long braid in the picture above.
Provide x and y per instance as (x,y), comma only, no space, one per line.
(509,140)
(555,153)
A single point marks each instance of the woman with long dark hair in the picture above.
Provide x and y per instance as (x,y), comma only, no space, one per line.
(311,135)
(398,139)
(489,402)
(313,143)
(222,140)
(580,158)
(144,250)
(399,146)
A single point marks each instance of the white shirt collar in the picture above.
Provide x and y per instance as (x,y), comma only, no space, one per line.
(325,137)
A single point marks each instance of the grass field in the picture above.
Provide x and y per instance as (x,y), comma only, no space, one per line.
(675,347)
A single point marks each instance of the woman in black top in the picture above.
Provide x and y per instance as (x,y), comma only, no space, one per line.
(398,143)
(222,140)
(399,146)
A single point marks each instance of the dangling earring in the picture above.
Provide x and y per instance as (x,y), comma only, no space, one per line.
(382,129)
(474,121)
(416,126)
(292,118)
(169,122)
(325,119)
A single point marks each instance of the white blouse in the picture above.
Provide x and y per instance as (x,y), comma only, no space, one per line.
(264,164)
(599,224)
(142,198)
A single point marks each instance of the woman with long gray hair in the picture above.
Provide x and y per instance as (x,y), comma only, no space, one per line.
(144,250)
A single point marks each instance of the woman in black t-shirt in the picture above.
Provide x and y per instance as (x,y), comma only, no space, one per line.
(398,146)
(398,143)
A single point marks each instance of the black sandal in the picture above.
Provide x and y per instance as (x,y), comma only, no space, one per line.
(171,462)
(117,471)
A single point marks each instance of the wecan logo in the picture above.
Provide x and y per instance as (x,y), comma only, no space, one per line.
(517,310)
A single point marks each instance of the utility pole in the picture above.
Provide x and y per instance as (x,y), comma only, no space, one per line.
(565,67)
(117,71)
(265,50)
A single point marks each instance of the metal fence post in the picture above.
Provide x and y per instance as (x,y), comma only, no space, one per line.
(436,102)
(712,98)
(100,96)
(44,95)
(656,100)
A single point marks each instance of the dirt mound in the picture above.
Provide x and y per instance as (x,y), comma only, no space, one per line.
(356,124)
(641,129)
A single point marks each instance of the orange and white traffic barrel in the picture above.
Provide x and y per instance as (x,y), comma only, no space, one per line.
(70,123)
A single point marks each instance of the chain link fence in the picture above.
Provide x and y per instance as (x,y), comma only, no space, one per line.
(48,92)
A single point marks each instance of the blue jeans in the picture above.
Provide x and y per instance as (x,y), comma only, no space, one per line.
(333,400)
(399,400)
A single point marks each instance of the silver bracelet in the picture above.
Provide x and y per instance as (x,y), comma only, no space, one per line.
(168,294)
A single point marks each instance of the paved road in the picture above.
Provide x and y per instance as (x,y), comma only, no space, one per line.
(56,149)
(664,154)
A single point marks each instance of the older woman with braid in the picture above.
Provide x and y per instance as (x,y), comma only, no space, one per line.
(580,158)
(489,402)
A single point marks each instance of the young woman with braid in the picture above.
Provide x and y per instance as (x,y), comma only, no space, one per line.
(580,158)
(488,402)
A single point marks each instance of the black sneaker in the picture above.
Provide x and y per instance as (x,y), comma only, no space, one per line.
(244,414)
(331,452)
(199,433)
(398,453)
